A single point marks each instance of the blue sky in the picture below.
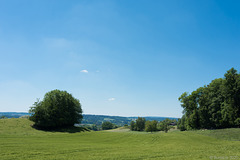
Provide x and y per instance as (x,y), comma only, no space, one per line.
(124,57)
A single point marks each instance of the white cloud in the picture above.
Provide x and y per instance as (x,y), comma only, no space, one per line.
(84,71)
(111,99)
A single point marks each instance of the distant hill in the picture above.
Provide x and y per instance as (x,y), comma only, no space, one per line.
(13,114)
(93,119)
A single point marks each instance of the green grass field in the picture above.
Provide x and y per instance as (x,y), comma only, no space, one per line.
(18,140)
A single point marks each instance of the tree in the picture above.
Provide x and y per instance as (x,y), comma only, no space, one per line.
(107,125)
(237,122)
(216,105)
(94,127)
(151,126)
(57,109)
(140,124)
(181,123)
(232,94)
(164,125)
(133,126)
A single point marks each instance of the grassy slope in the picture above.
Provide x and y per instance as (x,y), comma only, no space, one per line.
(230,134)
(19,141)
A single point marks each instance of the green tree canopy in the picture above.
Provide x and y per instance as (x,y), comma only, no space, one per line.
(133,126)
(107,125)
(140,124)
(57,109)
(216,105)
(164,125)
(151,126)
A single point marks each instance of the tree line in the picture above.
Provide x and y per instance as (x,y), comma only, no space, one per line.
(99,119)
(141,124)
(213,106)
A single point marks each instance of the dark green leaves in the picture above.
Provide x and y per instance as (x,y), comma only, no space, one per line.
(58,109)
(216,105)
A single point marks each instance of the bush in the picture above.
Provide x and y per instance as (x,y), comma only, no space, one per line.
(107,125)
(58,109)
(151,126)
(164,125)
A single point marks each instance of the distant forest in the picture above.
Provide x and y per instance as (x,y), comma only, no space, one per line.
(216,105)
(120,121)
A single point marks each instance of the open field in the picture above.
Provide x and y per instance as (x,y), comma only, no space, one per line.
(20,141)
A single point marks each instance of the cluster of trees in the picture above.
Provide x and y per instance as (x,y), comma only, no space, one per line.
(58,109)
(138,125)
(166,125)
(108,125)
(99,119)
(151,126)
(214,106)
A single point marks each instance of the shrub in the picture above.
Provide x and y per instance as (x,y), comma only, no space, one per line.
(107,125)
(151,126)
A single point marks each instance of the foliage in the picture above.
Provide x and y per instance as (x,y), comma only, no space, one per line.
(237,122)
(94,127)
(216,105)
(133,126)
(107,125)
(3,117)
(58,109)
(139,125)
(151,126)
(165,125)
(181,123)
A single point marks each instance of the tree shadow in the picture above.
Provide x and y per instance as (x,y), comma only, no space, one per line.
(72,129)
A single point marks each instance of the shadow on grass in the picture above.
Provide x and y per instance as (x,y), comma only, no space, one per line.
(71,129)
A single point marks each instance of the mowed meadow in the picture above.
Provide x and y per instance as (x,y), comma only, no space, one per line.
(18,140)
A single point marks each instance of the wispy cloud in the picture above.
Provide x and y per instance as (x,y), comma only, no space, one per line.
(84,71)
(111,99)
